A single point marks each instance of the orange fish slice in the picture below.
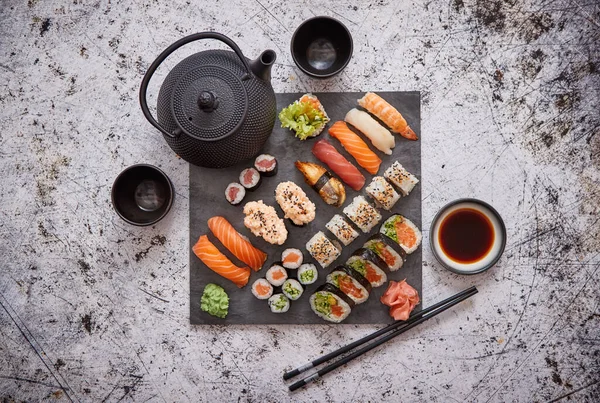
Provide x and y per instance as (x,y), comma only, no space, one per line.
(387,114)
(218,262)
(355,147)
(236,243)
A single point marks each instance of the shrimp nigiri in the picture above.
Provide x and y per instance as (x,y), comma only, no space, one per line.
(387,114)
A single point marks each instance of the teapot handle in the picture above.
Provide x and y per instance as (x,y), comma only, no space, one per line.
(165,54)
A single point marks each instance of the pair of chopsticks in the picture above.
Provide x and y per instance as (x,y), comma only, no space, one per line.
(394,329)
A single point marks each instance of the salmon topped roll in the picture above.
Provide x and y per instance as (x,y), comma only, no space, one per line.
(387,114)
(218,262)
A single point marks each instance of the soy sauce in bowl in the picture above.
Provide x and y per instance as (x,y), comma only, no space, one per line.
(466,235)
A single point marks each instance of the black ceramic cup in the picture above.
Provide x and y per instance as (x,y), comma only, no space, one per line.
(142,194)
(321,47)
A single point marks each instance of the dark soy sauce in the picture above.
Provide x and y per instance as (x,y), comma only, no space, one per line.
(466,235)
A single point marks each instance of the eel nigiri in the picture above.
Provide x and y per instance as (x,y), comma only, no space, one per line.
(381,137)
(356,147)
(330,189)
(387,114)
(236,243)
(218,262)
(327,153)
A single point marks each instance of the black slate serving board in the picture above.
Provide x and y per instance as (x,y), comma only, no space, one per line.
(207,199)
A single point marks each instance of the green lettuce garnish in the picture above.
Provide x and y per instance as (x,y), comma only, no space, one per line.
(303,118)
(215,301)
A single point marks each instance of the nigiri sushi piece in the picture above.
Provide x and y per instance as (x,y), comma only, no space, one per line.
(236,243)
(387,114)
(381,137)
(218,262)
(327,153)
(356,147)
(263,221)
(330,189)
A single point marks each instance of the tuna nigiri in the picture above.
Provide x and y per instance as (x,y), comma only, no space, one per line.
(327,153)
(356,147)
(218,262)
(381,137)
(236,243)
(387,114)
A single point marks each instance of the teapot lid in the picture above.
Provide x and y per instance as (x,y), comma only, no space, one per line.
(209,102)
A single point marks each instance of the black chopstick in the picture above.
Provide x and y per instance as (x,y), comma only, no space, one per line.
(379,342)
(393,326)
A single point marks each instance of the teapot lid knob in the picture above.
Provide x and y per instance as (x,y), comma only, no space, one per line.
(207,101)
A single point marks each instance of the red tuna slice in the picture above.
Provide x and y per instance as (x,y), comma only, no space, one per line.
(327,153)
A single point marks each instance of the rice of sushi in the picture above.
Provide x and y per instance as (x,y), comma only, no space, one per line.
(295,203)
(331,304)
(260,285)
(279,303)
(322,249)
(361,213)
(369,265)
(292,258)
(381,246)
(292,289)
(351,283)
(343,231)
(402,231)
(266,164)
(250,179)
(382,193)
(307,273)
(401,178)
(276,275)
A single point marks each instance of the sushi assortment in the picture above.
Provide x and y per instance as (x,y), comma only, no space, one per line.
(347,285)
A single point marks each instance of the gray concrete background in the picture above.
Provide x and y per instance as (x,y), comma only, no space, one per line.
(93,309)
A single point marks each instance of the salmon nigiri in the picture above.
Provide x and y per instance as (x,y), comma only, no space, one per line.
(387,114)
(236,243)
(327,153)
(218,262)
(356,147)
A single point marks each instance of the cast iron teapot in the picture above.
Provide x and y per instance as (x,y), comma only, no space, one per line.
(215,108)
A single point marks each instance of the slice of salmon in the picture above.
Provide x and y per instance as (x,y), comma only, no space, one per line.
(218,262)
(236,244)
(291,258)
(355,147)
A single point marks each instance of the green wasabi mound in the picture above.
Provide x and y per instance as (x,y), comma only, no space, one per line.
(215,301)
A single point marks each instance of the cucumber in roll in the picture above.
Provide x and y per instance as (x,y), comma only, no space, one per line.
(381,245)
(331,304)
(369,265)
(351,283)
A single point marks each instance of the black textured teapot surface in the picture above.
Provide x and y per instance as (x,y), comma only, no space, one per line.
(215,108)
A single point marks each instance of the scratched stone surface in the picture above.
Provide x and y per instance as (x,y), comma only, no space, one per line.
(93,309)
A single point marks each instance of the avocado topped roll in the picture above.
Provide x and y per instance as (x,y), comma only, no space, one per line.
(381,245)
(331,304)
(369,265)
(351,283)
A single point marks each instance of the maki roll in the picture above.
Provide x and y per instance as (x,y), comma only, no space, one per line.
(361,213)
(401,178)
(276,275)
(266,164)
(307,274)
(381,246)
(329,188)
(342,229)
(324,250)
(279,303)
(294,203)
(292,289)
(331,304)
(234,193)
(402,231)
(292,258)
(262,289)
(369,265)
(382,193)
(250,179)
(351,283)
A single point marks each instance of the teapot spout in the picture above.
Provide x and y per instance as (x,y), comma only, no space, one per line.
(261,67)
